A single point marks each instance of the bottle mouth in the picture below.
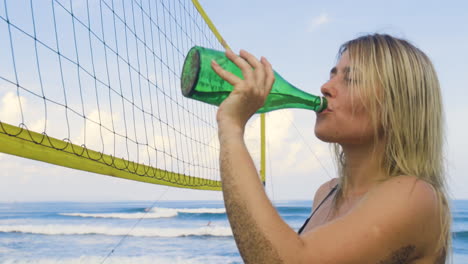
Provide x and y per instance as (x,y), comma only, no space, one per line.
(190,72)
(323,104)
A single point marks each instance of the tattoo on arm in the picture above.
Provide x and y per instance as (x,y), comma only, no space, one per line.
(400,256)
(253,245)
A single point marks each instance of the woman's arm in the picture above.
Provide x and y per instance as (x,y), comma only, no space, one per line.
(255,223)
(251,215)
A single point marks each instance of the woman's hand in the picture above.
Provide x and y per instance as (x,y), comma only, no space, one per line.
(249,94)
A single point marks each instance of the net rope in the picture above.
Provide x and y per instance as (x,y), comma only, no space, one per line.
(98,82)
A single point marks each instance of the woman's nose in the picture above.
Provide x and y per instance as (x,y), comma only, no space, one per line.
(327,89)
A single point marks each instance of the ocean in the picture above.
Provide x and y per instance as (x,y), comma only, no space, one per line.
(176,232)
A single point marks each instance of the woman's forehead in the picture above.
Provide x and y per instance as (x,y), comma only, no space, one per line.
(343,64)
(343,60)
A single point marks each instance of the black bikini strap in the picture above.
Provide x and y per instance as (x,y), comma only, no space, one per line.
(315,210)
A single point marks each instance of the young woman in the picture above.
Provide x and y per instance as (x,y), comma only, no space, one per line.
(384,118)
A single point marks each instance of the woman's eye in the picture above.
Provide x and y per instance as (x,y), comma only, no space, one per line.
(350,80)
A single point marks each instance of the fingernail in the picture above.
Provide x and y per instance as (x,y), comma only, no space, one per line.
(214,62)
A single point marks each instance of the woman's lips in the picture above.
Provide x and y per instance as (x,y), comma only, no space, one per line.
(326,110)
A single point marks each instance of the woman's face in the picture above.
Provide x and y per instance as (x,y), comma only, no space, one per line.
(346,121)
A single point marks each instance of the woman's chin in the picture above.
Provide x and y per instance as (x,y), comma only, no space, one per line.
(324,136)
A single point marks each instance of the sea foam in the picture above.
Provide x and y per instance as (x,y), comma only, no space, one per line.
(151,213)
(217,231)
(127,260)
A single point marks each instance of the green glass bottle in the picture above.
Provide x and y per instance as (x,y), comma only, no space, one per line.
(200,82)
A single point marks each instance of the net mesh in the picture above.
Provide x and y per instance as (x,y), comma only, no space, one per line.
(98,82)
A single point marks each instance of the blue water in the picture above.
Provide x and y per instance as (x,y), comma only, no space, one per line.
(181,232)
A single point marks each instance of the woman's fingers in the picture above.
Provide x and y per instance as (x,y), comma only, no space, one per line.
(257,74)
(229,77)
(250,58)
(259,71)
(246,69)
(250,92)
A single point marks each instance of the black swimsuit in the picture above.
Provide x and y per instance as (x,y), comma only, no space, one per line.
(313,212)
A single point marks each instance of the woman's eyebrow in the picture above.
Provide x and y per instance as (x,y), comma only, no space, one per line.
(345,70)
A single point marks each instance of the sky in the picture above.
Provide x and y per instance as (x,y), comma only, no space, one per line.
(301,40)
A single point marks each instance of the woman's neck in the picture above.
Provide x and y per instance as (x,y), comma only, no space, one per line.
(363,167)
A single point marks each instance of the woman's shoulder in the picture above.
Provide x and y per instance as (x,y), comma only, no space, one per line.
(408,187)
(396,218)
(411,204)
(406,192)
(323,190)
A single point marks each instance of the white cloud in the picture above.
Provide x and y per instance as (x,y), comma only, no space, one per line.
(10,112)
(96,137)
(318,21)
(287,150)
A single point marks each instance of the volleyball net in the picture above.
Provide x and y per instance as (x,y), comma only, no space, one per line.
(94,85)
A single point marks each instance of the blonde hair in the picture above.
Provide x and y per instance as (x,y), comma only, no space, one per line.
(399,87)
